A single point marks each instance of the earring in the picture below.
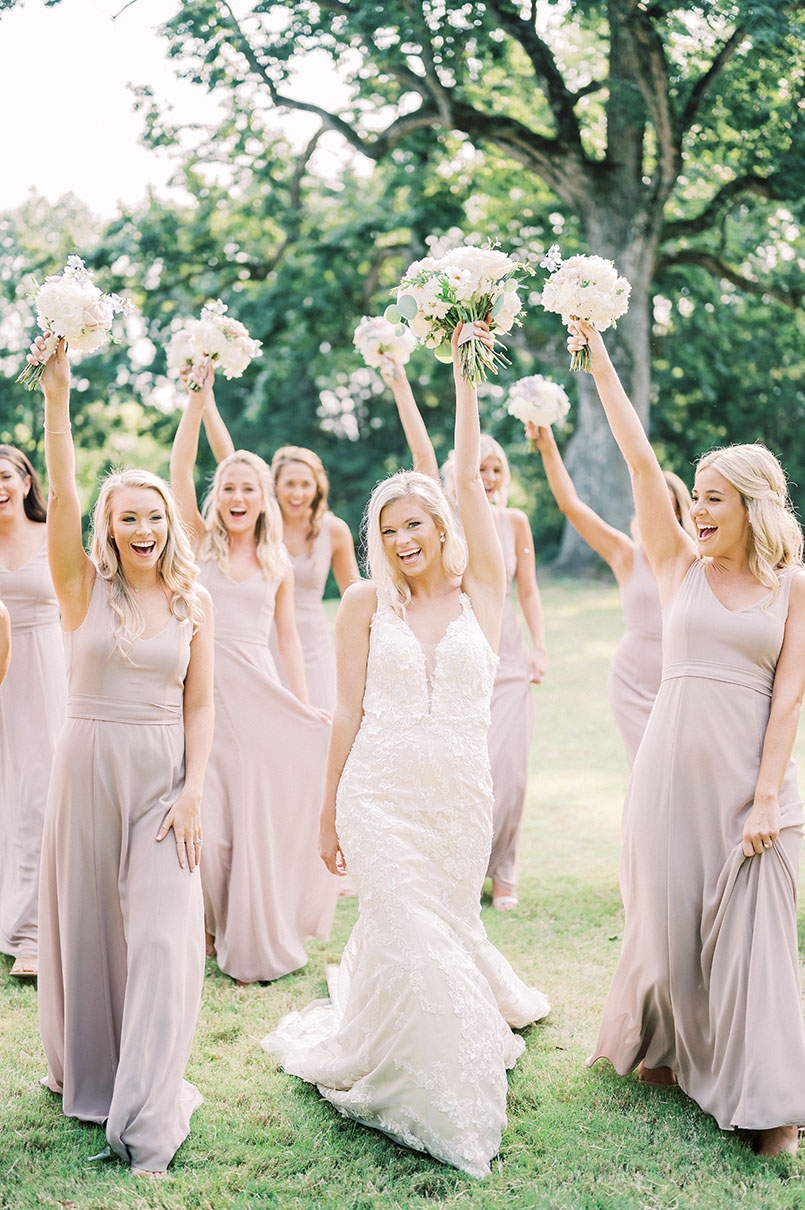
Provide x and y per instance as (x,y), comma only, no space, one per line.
(441,539)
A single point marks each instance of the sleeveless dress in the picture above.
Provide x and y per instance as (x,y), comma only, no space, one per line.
(32,701)
(121,955)
(511,728)
(708,978)
(266,891)
(415,1040)
(636,667)
(310,580)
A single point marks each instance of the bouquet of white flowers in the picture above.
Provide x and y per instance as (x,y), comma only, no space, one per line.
(215,337)
(376,339)
(69,306)
(469,283)
(584,287)
(538,400)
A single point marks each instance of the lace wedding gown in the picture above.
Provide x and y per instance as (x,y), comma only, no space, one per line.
(415,1039)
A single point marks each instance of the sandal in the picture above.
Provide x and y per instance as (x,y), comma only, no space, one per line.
(505,903)
(24,968)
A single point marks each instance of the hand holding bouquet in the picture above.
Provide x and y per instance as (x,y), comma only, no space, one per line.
(70,307)
(214,337)
(464,285)
(538,401)
(586,288)
(382,344)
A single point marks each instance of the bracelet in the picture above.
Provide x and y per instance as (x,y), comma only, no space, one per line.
(57,432)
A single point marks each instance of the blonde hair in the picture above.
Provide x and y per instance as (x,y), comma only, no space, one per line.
(393,587)
(488,448)
(176,566)
(271,553)
(775,537)
(297,453)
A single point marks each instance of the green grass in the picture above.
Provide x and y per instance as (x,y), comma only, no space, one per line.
(577,1139)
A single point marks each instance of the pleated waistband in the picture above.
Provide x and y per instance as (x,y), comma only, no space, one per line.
(756,679)
(113,710)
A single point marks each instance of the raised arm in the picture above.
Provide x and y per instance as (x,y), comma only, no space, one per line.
(183,459)
(416,434)
(345,565)
(614,547)
(669,549)
(71,569)
(218,436)
(485,577)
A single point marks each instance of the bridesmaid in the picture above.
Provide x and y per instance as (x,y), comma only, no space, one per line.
(32,703)
(707,990)
(316,540)
(265,891)
(121,955)
(636,667)
(519,667)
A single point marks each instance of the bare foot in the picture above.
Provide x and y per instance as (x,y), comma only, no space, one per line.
(159,1175)
(780,1140)
(209,945)
(656,1075)
(24,968)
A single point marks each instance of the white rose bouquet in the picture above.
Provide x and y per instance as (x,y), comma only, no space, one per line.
(469,283)
(584,287)
(538,400)
(69,306)
(214,337)
(376,339)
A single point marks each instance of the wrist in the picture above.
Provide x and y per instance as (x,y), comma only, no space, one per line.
(764,797)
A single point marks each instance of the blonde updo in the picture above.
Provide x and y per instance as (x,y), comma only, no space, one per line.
(392,585)
(775,540)
(271,553)
(177,567)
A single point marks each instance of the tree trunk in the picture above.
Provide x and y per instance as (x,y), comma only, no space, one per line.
(593,459)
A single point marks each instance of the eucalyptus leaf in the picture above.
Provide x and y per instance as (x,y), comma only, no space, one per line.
(496,306)
(392,314)
(406,305)
(444,353)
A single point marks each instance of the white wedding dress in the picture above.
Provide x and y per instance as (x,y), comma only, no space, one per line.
(415,1040)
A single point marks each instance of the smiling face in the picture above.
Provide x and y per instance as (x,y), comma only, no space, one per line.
(411,538)
(719,514)
(138,525)
(240,498)
(13,488)
(295,489)
(492,475)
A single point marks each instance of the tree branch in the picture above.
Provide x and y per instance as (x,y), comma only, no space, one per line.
(702,85)
(719,268)
(747,183)
(560,99)
(650,68)
(438,92)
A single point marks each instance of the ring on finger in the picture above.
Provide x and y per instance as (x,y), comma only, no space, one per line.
(766,844)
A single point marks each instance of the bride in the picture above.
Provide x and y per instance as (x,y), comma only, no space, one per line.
(415,1039)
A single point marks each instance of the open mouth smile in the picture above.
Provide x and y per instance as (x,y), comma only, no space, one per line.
(143,549)
(705,531)
(408,556)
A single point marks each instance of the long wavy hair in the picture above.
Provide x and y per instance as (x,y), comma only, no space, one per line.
(775,536)
(297,453)
(34,503)
(489,448)
(271,553)
(177,567)
(392,585)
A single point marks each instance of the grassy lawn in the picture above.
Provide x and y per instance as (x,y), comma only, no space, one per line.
(577,1139)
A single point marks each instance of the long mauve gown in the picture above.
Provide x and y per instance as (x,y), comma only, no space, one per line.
(708,978)
(511,728)
(121,954)
(310,579)
(32,700)
(266,891)
(636,667)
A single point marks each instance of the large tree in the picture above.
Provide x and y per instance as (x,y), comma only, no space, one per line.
(658,126)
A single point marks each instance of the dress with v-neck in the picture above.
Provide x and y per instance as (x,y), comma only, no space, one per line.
(708,981)
(416,1039)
